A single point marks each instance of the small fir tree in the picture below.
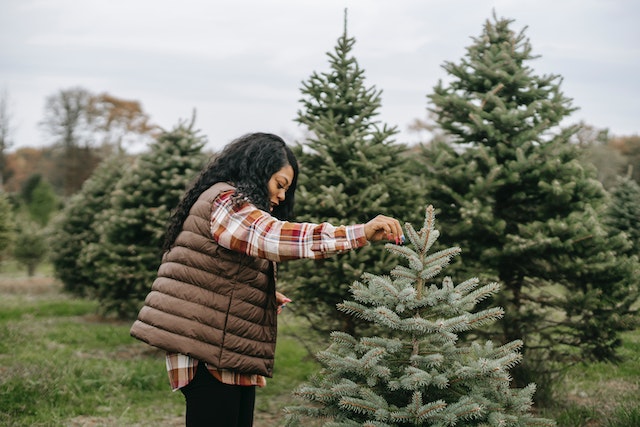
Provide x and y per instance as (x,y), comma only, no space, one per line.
(624,210)
(351,171)
(30,247)
(43,203)
(28,187)
(512,189)
(125,259)
(75,227)
(417,373)
(6,223)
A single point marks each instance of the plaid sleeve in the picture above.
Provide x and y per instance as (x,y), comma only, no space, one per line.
(247,229)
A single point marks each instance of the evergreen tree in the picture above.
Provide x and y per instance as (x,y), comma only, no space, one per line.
(512,189)
(30,247)
(125,259)
(351,171)
(596,150)
(417,373)
(27,189)
(43,203)
(624,210)
(75,226)
(6,223)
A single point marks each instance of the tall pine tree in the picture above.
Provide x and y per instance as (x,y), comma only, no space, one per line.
(511,188)
(417,373)
(351,171)
(125,259)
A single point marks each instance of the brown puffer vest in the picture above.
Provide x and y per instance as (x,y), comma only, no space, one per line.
(211,303)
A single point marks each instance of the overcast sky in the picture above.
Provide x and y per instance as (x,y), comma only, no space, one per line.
(240,63)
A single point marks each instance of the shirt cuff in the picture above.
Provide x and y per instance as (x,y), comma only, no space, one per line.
(357,236)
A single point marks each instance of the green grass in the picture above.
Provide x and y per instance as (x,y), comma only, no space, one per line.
(293,365)
(44,309)
(602,394)
(61,365)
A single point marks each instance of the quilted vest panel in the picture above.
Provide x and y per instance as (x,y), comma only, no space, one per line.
(211,303)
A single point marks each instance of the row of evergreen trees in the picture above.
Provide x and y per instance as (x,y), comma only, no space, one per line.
(509,188)
(106,242)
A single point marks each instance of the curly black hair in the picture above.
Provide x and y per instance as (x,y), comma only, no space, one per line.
(247,163)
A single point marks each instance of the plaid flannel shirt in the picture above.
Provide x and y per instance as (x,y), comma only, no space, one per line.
(245,228)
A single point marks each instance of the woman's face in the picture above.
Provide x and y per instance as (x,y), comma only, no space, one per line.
(279,184)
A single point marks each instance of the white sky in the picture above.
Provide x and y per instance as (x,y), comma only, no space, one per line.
(240,63)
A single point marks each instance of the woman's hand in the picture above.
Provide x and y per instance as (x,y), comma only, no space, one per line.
(281,300)
(383,227)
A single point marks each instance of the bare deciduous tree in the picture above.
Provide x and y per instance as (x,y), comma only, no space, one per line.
(87,127)
(67,121)
(119,123)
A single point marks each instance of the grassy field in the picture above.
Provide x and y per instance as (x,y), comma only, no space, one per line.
(60,365)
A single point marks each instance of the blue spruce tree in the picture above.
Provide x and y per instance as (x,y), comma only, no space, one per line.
(416,372)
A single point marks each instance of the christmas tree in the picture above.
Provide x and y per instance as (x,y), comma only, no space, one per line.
(125,259)
(6,222)
(73,229)
(513,191)
(350,171)
(416,372)
(624,210)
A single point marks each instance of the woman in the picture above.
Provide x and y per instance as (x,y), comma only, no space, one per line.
(214,303)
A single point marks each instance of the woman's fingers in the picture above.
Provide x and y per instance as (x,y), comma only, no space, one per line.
(383,227)
(282,301)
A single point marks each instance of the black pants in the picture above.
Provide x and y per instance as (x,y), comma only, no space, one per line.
(211,403)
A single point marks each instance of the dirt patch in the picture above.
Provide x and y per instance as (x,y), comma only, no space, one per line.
(87,421)
(98,318)
(37,285)
(608,395)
